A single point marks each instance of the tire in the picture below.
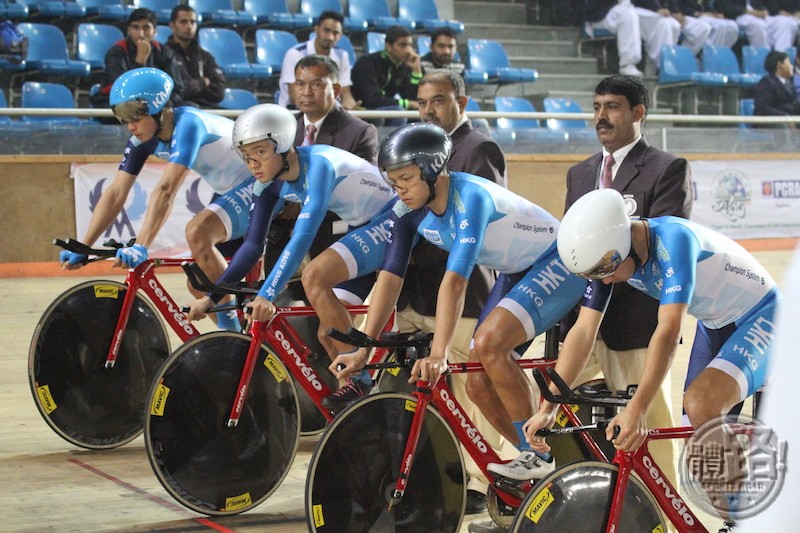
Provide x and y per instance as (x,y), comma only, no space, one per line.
(82,401)
(204,464)
(577,497)
(356,463)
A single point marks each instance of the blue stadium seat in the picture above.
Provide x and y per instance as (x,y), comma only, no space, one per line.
(235,98)
(162,8)
(720,59)
(678,65)
(513,130)
(13,11)
(377,15)
(114,10)
(423,44)
(228,49)
(472,105)
(426,16)
(576,129)
(49,95)
(271,47)
(313,8)
(94,40)
(747,133)
(163,33)
(221,12)
(52,10)
(753,59)
(276,13)
(6,122)
(489,57)
(376,41)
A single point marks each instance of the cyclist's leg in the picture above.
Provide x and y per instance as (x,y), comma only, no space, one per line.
(225,218)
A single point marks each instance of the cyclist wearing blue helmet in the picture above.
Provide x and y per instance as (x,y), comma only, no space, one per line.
(188,139)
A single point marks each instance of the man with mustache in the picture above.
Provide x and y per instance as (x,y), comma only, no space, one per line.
(653,183)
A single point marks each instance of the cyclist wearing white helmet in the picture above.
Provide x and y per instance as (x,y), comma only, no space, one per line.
(188,139)
(477,222)
(689,269)
(320,178)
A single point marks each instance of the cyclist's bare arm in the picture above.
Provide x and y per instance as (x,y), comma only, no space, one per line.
(384,298)
(660,353)
(449,307)
(160,205)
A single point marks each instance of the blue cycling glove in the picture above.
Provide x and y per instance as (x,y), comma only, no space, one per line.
(132,256)
(71,257)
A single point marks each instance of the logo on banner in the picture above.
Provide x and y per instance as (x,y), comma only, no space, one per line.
(193,202)
(781,189)
(730,193)
(122,227)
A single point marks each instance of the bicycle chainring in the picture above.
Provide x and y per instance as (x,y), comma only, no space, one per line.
(499,511)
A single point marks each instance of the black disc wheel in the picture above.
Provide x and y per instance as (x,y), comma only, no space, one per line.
(355,466)
(577,498)
(204,464)
(84,402)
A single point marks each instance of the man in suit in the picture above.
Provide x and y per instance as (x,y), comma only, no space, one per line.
(654,183)
(442,101)
(775,94)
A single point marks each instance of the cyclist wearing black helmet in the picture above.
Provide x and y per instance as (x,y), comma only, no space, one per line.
(479,223)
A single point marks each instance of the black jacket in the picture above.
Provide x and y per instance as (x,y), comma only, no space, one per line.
(194,65)
(376,80)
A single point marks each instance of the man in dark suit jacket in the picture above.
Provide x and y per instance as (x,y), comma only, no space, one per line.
(653,183)
(316,89)
(442,101)
(775,95)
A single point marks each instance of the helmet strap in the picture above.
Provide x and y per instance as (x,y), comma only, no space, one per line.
(432,195)
(285,168)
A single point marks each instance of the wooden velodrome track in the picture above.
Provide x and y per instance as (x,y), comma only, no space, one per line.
(47,484)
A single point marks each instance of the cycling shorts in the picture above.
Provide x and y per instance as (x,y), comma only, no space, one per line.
(233,208)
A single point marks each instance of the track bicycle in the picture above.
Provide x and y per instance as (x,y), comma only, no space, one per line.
(222,424)
(97,348)
(393,462)
(601,496)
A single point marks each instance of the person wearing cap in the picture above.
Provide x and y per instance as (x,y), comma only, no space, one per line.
(689,269)
(188,139)
(479,223)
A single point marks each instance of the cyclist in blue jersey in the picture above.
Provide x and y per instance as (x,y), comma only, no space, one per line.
(689,269)
(477,222)
(320,178)
(188,139)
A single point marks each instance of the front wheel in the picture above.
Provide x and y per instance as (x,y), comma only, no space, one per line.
(356,463)
(204,464)
(577,498)
(84,402)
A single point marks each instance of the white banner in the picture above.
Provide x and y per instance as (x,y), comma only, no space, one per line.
(748,199)
(91,179)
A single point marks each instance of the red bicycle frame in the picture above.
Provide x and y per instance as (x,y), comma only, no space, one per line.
(466,433)
(293,353)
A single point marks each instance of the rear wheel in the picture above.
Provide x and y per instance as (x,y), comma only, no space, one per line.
(84,402)
(355,466)
(577,498)
(204,464)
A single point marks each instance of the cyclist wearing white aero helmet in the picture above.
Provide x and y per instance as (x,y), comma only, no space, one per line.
(320,178)
(187,138)
(689,269)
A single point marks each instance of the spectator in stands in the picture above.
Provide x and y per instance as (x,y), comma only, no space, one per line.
(139,49)
(695,30)
(775,94)
(203,80)
(328,31)
(442,101)
(770,28)
(388,79)
(443,52)
(651,23)
(724,32)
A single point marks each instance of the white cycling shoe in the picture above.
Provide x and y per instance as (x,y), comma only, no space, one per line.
(527,466)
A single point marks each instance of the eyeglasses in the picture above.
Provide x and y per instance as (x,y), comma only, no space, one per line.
(130,111)
(607,265)
(258,154)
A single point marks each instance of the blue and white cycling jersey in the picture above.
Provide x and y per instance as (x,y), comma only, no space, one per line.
(334,180)
(484,224)
(200,141)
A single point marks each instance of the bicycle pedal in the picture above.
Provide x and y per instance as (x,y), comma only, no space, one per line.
(512,486)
